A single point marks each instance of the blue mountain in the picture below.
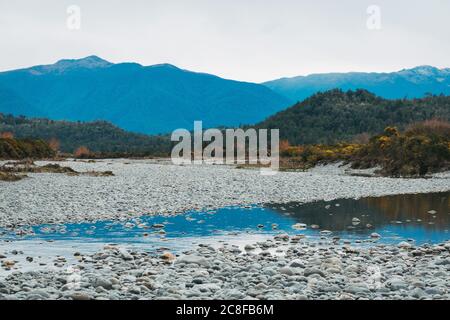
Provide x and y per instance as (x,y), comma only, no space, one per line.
(145,99)
(410,83)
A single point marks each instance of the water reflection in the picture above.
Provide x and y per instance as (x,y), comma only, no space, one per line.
(430,211)
(422,217)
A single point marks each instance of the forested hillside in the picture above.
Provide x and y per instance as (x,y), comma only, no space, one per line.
(97,136)
(336,116)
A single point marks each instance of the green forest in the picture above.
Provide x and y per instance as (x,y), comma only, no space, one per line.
(335,116)
(98,137)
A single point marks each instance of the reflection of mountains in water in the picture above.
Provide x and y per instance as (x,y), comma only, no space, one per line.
(407,209)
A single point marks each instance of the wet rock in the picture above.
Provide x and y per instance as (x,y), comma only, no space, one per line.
(375,235)
(299,226)
(282,237)
(404,245)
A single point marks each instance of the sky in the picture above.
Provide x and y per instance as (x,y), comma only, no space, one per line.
(247,40)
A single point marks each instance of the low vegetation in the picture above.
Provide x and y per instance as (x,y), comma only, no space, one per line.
(16,170)
(11,177)
(11,148)
(423,148)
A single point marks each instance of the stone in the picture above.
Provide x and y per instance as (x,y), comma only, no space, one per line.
(297,264)
(282,237)
(357,288)
(375,235)
(192,259)
(104,283)
(396,284)
(125,255)
(80,296)
(299,226)
(8,263)
(167,256)
(443,262)
(311,271)
(249,247)
(404,245)
(41,293)
(287,271)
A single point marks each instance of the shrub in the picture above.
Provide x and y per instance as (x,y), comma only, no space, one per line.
(16,149)
(82,152)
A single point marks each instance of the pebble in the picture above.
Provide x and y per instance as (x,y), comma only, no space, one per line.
(192,259)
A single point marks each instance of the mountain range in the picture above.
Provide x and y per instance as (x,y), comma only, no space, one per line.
(151,100)
(410,83)
(160,98)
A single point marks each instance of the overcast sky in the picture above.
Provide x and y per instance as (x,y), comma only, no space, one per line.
(251,40)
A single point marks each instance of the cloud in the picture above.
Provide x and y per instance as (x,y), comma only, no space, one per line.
(240,39)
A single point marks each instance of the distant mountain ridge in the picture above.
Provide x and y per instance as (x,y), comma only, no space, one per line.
(151,100)
(160,98)
(410,83)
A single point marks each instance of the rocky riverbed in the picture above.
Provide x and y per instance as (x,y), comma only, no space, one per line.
(145,187)
(282,268)
(289,266)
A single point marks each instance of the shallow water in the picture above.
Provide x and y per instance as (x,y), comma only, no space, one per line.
(395,218)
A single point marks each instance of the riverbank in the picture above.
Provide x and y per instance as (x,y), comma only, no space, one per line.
(282,268)
(147,187)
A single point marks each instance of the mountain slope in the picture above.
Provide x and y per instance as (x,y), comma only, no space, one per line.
(411,83)
(153,99)
(336,115)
